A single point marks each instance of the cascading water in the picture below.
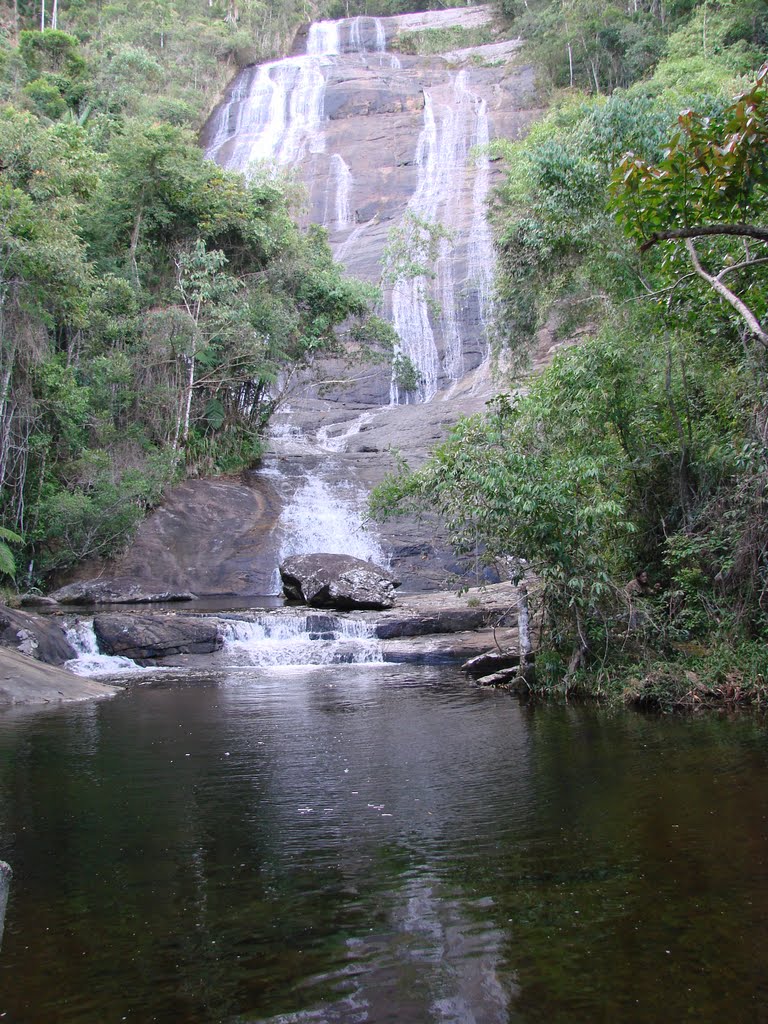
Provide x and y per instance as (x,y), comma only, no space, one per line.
(367,35)
(481,255)
(89,661)
(274,113)
(321,511)
(277,638)
(338,210)
(374,138)
(441,159)
(316,638)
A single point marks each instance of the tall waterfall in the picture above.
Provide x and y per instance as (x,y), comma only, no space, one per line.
(442,161)
(379,140)
(278,113)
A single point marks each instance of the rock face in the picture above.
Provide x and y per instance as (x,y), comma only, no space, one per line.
(26,681)
(36,636)
(116,591)
(142,637)
(337,581)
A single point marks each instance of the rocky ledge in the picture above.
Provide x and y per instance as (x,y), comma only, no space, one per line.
(142,637)
(23,680)
(337,581)
(118,590)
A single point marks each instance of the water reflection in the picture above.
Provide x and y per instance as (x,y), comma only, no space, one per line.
(374,843)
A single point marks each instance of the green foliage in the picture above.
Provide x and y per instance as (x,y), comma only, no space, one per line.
(714,168)
(7,561)
(405,373)
(441,40)
(149,301)
(412,248)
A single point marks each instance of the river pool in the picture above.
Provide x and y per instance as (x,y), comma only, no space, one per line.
(373,843)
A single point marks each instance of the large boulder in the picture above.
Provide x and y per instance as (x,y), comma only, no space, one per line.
(38,636)
(119,590)
(143,636)
(337,581)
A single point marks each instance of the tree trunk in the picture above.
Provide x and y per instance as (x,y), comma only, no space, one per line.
(190,387)
(523,628)
(135,235)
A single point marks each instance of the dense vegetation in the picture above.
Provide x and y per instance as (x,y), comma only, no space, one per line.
(152,306)
(641,231)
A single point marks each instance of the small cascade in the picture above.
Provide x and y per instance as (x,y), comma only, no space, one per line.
(481,253)
(337,442)
(314,638)
(321,511)
(328,518)
(89,662)
(324,38)
(367,35)
(338,206)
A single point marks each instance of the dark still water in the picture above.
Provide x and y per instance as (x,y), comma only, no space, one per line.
(379,843)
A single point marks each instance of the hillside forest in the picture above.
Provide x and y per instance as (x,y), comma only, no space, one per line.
(153,309)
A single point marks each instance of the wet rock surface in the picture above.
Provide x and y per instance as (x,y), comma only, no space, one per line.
(145,637)
(337,581)
(34,636)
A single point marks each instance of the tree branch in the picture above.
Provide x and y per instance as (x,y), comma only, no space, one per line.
(742,230)
(725,293)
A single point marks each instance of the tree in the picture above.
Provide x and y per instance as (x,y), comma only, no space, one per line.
(522,488)
(711,184)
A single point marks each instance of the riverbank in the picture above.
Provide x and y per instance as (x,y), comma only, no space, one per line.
(436,628)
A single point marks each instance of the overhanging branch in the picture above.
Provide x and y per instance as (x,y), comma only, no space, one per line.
(725,293)
(741,230)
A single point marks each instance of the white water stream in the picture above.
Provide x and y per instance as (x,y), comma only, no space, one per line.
(442,159)
(88,661)
(276,115)
(273,638)
(315,638)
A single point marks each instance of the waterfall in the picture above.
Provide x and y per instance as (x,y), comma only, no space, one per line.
(338,215)
(441,154)
(88,660)
(481,253)
(273,118)
(315,638)
(367,35)
(324,38)
(322,516)
(286,112)
(274,113)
